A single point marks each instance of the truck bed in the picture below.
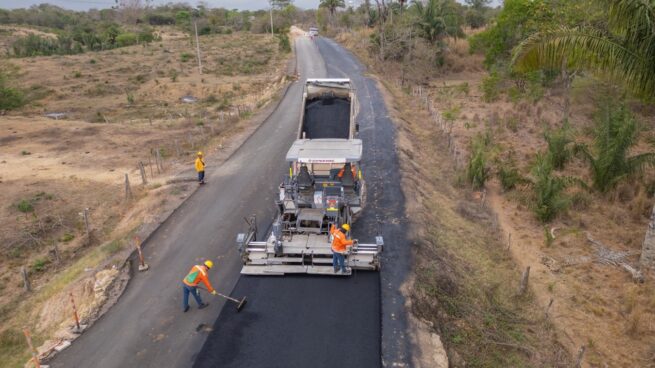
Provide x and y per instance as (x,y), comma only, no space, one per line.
(326,117)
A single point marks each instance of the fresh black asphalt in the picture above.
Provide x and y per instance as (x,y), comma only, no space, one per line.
(314,321)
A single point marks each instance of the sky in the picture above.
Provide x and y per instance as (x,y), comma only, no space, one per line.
(100,4)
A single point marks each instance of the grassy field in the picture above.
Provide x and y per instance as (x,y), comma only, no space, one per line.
(118,108)
(466,274)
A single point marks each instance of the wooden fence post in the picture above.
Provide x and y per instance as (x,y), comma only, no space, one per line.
(159,160)
(128,189)
(550,304)
(524,281)
(26,280)
(87,227)
(55,250)
(143,173)
(578,361)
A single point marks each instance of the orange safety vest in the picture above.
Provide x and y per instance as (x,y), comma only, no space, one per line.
(354,170)
(196,275)
(339,241)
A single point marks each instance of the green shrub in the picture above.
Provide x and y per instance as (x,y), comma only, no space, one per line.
(67,237)
(615,134)
(130,97)
(10,98)
(451,114)
(491,87)
(514,94)
(185,56)
(40,264)
(512,123)
(549,197)
(509,177)
(558,145)
(126,39)
(463,88)
(535,89)
(549,239)
(477,171)
(283,42)
(25,206)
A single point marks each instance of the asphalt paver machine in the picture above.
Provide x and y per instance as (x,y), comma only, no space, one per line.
(324,188)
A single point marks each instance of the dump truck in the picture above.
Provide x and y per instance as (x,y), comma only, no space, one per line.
(329,108)
(324,188)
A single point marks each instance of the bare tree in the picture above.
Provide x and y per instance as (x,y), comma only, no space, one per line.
(132,10)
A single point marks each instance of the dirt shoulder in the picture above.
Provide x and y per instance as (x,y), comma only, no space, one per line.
(54,169)
(465,288)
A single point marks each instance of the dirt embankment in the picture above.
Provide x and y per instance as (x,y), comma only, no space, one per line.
(590,303)
(52,170)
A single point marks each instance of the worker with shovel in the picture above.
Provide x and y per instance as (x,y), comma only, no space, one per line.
(339,244)
(200,168)
(197,274)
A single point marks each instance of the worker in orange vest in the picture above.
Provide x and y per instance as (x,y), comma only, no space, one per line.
(196,275)
(339,244)
(200,168)
(345,167)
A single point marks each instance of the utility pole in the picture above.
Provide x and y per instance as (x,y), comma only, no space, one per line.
(195,26)
(271,2)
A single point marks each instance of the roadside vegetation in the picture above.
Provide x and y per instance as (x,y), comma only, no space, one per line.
(545,111)
(87,97)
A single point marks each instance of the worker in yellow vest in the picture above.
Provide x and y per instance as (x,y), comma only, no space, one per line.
(200,168)
(196,275)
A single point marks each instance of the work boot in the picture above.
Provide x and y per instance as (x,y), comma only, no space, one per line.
(186,309)
(203,305)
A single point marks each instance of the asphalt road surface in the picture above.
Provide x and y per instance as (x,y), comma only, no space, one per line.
(318,321)
(298,321)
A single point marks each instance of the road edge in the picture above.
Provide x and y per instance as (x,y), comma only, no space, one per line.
(127,268)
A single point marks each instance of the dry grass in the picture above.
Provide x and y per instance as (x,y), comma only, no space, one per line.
(465,280)
(55,168)
(594,305)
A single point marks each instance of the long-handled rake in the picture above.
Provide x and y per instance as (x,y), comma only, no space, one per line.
(240,303)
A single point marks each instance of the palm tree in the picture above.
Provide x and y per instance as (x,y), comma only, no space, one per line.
(625,50)
(437,19)
(615,134)
(332,5)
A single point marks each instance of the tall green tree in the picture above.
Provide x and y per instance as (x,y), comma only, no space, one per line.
(623,49)
(438,19)
(332,5)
